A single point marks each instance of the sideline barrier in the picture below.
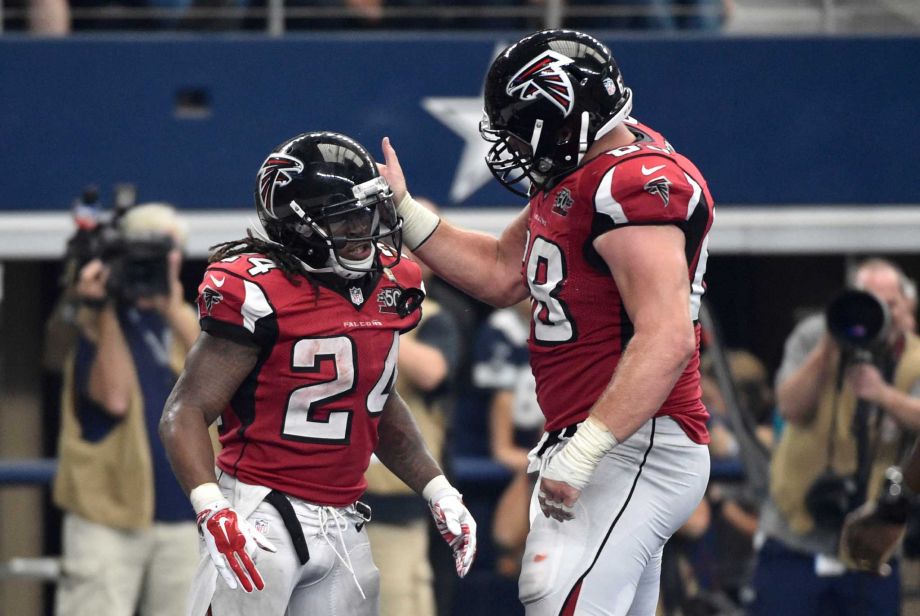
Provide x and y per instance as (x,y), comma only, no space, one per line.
(27,471)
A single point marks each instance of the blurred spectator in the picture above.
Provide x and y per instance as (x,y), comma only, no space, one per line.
(406,14)
(49,17)
(428,358)
(844,420)
(648,14)
(755,398)
(502,373)
(726,558)
(200,15)
(129,538)
(681,592)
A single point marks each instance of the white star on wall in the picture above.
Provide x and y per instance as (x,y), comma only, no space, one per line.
(462,114)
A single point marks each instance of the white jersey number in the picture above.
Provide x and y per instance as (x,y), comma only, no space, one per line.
(552,323)
(301,420)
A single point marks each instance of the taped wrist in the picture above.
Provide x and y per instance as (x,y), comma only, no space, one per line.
(204,495)
(418,222)
(436,488)
(576,461)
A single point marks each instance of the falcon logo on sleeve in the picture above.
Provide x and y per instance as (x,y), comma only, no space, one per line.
(660,186)
(544,76)
(274,173)
(211,298)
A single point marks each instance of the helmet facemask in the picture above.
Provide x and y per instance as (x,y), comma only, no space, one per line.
(321,197)
(348,231)
(510,159)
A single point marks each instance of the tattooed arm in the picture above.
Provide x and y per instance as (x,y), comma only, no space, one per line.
(401,448)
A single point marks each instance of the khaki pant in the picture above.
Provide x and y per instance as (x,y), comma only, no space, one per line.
(401,555)
(119,572)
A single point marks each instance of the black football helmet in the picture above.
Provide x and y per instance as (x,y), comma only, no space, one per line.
(548,97)
(321,196)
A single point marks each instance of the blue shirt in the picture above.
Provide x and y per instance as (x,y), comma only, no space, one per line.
(149,340)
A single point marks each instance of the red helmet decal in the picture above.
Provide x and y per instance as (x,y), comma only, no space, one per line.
(274,173)
(544,76)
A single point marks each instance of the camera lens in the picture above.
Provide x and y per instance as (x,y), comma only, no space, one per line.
(857,319)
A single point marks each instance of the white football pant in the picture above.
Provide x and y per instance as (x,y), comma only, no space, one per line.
(340,579)
(607,561)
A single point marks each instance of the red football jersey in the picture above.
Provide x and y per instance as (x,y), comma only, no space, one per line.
(304,421)
(580,326)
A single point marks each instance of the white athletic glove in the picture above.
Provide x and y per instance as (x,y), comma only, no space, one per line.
(454,521)
(231,540)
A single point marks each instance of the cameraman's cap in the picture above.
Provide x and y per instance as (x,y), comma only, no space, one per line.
(147,219)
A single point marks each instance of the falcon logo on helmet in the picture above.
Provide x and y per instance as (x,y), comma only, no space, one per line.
(544,76)
(273,173)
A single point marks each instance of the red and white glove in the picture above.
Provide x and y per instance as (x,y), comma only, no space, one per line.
(454,521)
(231,540)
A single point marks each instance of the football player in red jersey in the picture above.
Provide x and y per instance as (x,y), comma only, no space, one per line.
(612,249)
(297,357)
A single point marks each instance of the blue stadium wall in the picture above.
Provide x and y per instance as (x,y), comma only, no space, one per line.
(802,120)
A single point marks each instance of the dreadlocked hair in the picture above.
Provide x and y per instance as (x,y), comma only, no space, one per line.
(289,265)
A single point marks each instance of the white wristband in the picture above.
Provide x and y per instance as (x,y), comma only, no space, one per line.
(204,495)
(418,222)
(576,461)
(435,487)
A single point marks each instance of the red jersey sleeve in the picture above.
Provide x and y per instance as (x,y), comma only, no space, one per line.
(233,305)
(644,190)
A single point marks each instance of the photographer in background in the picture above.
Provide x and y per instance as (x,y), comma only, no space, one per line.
(848,387)
(129,536)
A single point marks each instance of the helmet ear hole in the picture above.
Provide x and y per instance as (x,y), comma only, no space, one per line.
(564,135)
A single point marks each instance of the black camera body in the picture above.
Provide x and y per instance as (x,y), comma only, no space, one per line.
(830,498)
(139,265)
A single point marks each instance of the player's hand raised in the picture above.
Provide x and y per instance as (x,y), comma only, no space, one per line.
(231,542)
(456,525)
(392,171)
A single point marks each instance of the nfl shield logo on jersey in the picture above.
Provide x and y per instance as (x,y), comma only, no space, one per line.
(357,296)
